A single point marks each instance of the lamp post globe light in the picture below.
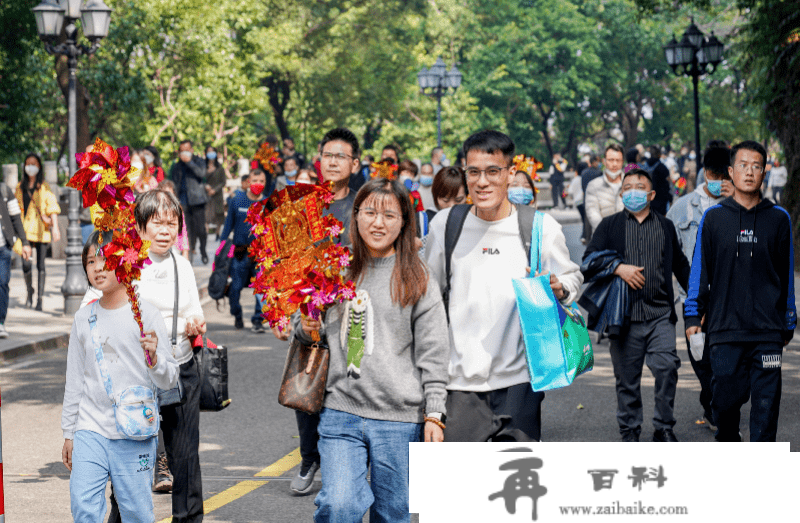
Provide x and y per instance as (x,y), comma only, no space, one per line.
(50,18)
(694,55)
(436,82)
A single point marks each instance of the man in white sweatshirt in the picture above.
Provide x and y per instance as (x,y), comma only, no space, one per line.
(602,196)
(489,391)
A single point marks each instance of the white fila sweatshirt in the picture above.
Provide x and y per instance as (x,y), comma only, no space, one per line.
(487,351)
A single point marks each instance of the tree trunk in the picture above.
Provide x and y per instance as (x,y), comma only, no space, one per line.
(371,134)
(84,137)
(279,92)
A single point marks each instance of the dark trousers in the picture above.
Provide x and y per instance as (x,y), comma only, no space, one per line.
(743,370)
(180,427)
(558,192)
(5,277)
(702,369)
(651,342)
(309,437)
(241,272)
(196,226)
(510,414)
(587,230)
(41,253)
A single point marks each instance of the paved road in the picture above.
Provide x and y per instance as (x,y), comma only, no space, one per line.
(257,436)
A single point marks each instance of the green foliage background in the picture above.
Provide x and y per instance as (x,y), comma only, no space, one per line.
(553,74)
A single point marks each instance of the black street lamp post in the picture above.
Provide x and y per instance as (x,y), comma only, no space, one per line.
(435,82)
(95,16)
(694,56)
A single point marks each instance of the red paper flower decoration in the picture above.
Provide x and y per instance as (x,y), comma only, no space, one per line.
(104,178)
(267,157)
(298,266)
(385,169)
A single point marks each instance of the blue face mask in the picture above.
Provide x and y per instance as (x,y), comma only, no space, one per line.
(211,156)
(291,174)
(715,187)
(634,200)
(425,180)
(520,195)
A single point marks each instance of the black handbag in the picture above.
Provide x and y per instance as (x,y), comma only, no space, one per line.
(176,395)
(212,364)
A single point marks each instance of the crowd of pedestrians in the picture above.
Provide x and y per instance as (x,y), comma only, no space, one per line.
(409,362)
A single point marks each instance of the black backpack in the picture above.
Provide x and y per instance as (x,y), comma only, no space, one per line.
(218,282)
(452,231)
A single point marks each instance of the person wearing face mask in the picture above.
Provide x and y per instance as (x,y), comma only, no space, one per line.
(686,214)
(289,176)
(40,212)
(189,174)
(426,177)
(602,197)
(242,266)
(648,245)
(215,183)
(522,191)
(152,163)
(144,180)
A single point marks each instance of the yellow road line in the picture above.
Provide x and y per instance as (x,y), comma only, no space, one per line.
(235,492)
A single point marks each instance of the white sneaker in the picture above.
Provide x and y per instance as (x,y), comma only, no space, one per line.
(3,331)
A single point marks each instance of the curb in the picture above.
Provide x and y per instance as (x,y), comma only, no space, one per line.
(35,347)
(59,341)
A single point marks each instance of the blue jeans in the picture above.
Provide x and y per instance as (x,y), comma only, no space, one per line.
(5,276)
(130,465)
(241,272)
(348,444)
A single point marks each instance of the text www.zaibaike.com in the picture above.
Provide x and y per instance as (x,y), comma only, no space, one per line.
(620,509)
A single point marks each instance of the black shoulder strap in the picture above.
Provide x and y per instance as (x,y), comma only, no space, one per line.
(452,231)
(525,216)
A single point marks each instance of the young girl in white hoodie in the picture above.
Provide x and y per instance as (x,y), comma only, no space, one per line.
(107,359)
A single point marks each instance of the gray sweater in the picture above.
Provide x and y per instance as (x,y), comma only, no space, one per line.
(387,362)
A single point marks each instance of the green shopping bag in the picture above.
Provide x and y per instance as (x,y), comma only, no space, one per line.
(557,343)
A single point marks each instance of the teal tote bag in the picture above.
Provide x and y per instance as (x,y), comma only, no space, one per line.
(557,343)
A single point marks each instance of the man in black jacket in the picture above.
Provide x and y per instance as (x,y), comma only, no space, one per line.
(649,245)
(189,174)
(659,173)
(11,221)
(742,283)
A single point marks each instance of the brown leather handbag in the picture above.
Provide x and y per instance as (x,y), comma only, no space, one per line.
(304,377)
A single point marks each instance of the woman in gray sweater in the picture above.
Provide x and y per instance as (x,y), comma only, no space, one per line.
(389,350)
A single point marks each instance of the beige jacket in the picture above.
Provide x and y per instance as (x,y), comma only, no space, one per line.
(602,199)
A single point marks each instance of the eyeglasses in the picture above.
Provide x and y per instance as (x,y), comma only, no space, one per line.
(340,156)
(492,173)
(757,169)
(369,215)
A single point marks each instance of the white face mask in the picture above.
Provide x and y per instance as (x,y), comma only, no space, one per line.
(185,155)
(613,175)
(148,158)
(31,170)
(137,165)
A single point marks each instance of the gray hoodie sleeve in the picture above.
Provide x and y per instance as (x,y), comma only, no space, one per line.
(432,347)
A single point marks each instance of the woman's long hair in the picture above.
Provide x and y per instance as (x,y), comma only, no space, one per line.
(410,276)
(39,175)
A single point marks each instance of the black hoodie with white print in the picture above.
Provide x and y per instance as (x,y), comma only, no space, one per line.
(743,274)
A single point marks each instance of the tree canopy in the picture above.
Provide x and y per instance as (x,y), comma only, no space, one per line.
(553,74)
